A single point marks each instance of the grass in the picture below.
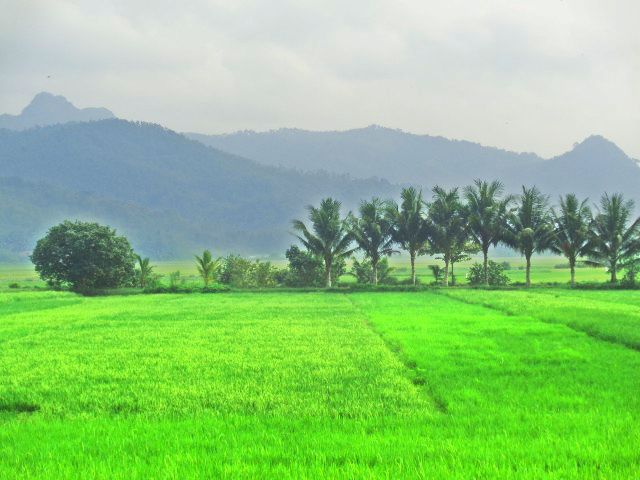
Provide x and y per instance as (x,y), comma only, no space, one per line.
(313,385)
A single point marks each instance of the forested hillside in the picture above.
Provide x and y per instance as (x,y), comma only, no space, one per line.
(169,193)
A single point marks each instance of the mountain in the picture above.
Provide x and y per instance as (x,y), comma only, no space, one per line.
(592,167)
(397,156)
(172,196)
(48,109)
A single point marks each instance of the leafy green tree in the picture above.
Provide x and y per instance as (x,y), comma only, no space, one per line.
(330,237)
(207,267)
(447,226)
(572,230)
(145,269)
(487,211)
(373,233)
(530,227)
(409,225)
(613,239)
(84,256)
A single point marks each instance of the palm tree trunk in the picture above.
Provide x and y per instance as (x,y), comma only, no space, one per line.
(573,273)
(412,254)
(374,272)
(327,273)
(446,271)
(614,274)
(528,278)
(485,265)
(453,277)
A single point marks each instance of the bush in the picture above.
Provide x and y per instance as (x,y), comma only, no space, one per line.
(438,274)
(307,270)
(506,266)
(14,285)
(363,271)
(241,272)
(497,277)
(84,256)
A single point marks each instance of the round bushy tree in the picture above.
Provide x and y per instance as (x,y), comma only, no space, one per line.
(84,256)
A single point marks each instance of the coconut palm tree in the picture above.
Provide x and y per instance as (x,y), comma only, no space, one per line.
(613,239)
(530,229)
(207,267)
(373,233)
(145,270)
(572,235)
(487,210)
(330,237)
(409,225)
(447,225)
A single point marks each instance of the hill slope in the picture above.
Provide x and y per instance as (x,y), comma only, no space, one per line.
(169,193)
(47,109)
(594,166)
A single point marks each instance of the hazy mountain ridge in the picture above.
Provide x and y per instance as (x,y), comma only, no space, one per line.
(592,167)
(47,109)
(191,196)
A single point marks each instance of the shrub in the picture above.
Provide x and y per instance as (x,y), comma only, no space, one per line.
(438,274)
(84,256)
(307,270)
(241,272)
(497,277)
(506,265)
(363,272)
(14,285)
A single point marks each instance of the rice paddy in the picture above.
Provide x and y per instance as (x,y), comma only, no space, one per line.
(430,384)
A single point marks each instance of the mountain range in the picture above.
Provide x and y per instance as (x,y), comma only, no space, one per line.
(175,194)
(590,168)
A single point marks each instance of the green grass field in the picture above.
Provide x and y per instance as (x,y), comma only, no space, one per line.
(431,384)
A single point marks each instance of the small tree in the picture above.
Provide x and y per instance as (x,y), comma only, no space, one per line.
(572,235)
(487,214)
(447,226)
(373,232)
(207,267)
(409,225)
(84,256)
(307,270)
(530,229)
(330,237)
(613,238)
(145,269)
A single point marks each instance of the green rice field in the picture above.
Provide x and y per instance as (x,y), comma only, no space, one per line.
(428,384)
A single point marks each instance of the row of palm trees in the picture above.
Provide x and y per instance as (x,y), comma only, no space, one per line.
(458,222)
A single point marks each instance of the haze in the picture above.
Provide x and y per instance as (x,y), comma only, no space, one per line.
(525,76)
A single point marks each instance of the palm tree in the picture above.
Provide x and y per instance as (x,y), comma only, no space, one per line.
(572,225)
(613,241)
(373,232)
(529,228)
(487,214)
(447,225)
(331,238)
(409,225)
(207,267)
(145,270)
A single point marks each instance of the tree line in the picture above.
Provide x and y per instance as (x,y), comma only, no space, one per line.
(457,222)
(453,224)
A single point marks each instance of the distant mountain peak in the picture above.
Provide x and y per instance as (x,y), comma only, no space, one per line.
(49,109)
(597,145)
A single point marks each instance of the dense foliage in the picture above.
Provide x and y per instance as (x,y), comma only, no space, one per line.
(495,274)
(84,256)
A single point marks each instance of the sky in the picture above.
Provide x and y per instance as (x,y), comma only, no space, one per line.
(521,75)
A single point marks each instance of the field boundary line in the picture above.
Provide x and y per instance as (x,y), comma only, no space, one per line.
(417,379)
(595,335)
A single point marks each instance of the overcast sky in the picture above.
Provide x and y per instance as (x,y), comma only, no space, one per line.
(532,75)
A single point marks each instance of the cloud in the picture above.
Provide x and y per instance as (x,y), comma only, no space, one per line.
(532,76)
